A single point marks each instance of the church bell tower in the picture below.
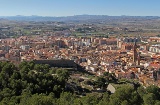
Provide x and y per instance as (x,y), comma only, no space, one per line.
(135,55)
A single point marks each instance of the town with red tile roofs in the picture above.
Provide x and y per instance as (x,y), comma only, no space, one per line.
(125,50)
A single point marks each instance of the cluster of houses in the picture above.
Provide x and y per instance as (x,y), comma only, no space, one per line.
(125,57)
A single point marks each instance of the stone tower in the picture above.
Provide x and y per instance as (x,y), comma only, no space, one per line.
(135,55)
(138,59)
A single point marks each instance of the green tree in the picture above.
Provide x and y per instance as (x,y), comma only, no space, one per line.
(141,91)
(105,99)
(65,99)
(8,69)
(37,99)
(126,93)
(91,99)
(63,74)
(155,90)
(149,99)
(101,82)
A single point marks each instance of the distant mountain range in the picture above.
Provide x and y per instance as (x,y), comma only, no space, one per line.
(75,18)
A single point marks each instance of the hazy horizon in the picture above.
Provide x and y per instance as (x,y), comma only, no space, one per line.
(76,15)
(60,8)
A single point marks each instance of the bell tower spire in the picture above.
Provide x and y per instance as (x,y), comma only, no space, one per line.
(135,55)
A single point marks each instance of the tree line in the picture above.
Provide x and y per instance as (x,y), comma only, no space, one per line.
(38,84)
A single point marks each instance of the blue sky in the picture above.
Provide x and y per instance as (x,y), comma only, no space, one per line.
(78,7)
